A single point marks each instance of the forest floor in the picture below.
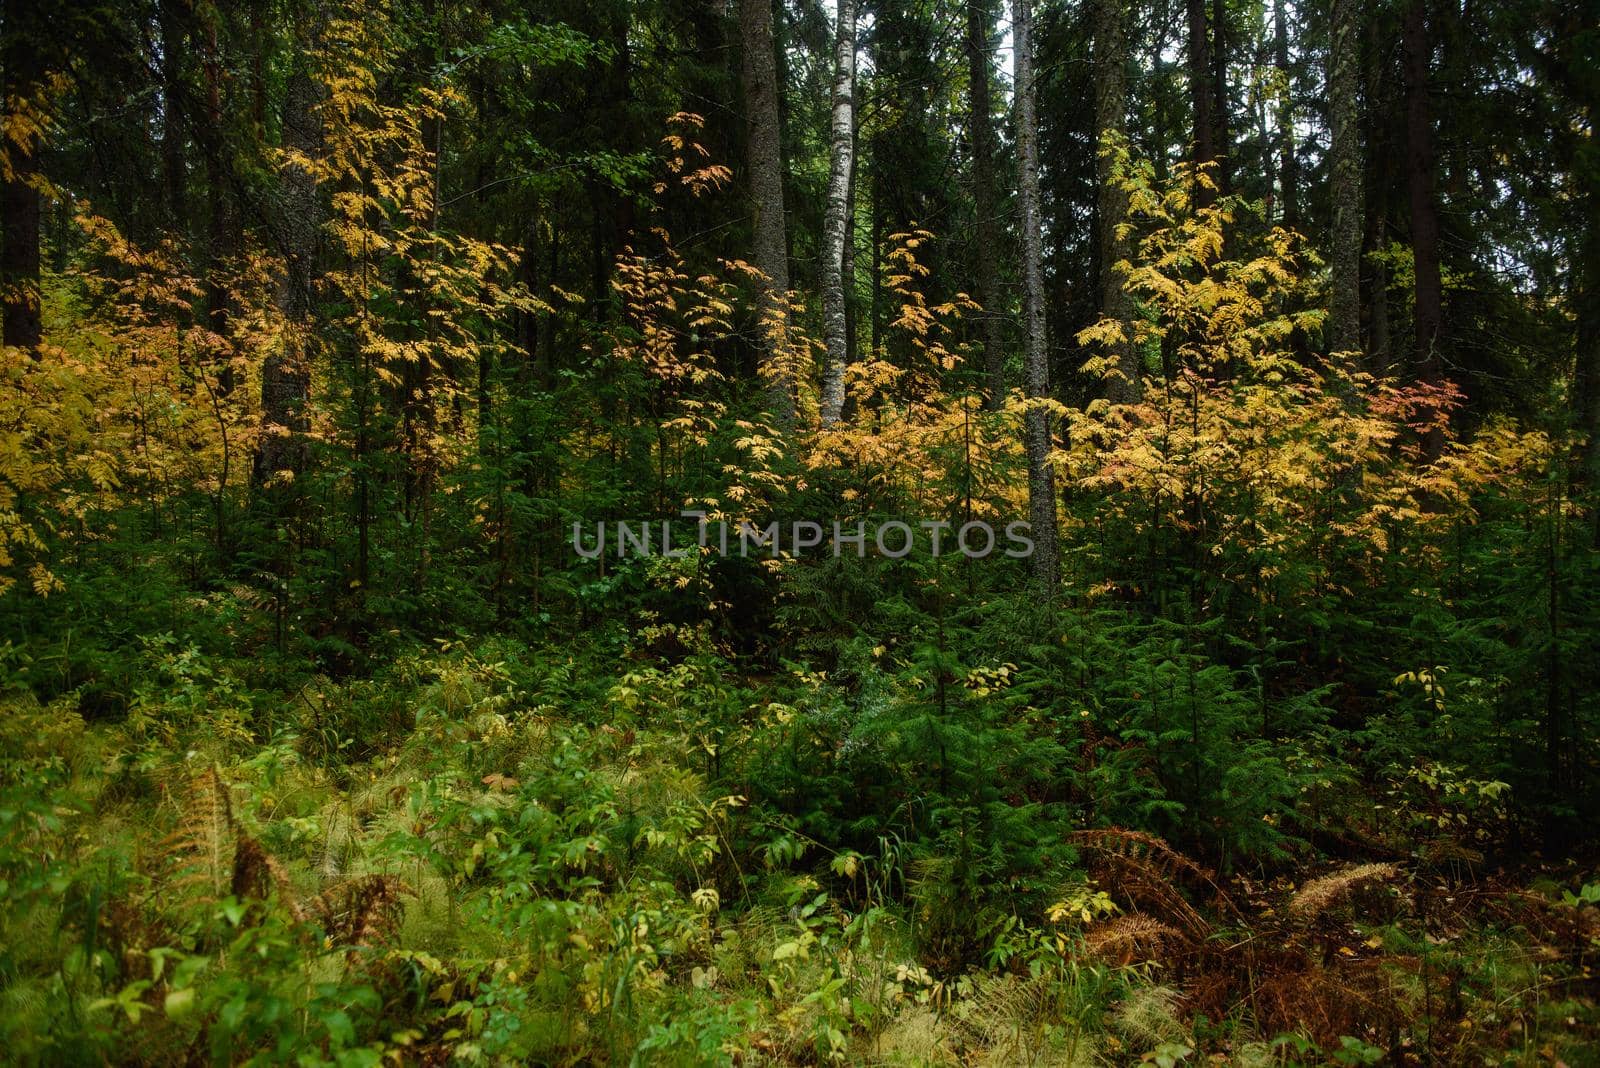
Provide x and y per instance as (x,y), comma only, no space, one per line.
(487,854)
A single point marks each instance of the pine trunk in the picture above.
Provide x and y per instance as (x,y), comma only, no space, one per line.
(1288,158)
(770,245)
(285,375)
(1344,323)
(1111,119)
(980,119)
(1200,92)
(1036,422)
(22,72)
(1220,111)
(221,231)
(1586,369)
(1429,308)
(173,165)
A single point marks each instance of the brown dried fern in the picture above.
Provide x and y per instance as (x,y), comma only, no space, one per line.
(200,851)
(1119,841)
(1134,936)
(209,855)
(1148,871)
(362,912)
(1316,896)
(257,873)
(1325,1002)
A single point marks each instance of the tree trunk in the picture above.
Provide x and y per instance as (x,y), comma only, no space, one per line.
(22,68)
(1111,120)
(770,249)
(1377,303)
(260,46)
(1288,159)
(173,166)
(221,231)
(1201,97)
(1220,111)
(1585,293)
(286,373)
(980,120)
(837,221)
(1429,311)
(875,245)
(1036,422)
(1344,323)
(848,262)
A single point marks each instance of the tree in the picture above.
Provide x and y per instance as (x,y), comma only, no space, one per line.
(980,126)
(837,218)
(1220,107)
(22,83)
(222,237)
(174,165)
(1111,113)
(1344,164)
(286,372)
(765,158)
(1428,312)
(1586,367)
(1202,97)
(1288,157)
(1036,420)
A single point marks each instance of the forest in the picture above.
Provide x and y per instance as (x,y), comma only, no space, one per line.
(800,532)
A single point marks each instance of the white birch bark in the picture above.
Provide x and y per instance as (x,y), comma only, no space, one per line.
(836,220)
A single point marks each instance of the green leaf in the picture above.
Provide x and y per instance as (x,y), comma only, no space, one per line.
(179,1003)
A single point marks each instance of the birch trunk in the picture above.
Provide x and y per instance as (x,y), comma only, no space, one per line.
(836,224)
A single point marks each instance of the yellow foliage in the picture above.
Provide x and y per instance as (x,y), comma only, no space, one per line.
(1252,455)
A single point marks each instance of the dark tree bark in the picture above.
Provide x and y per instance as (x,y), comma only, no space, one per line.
(1380,181)
(1220,109)
(260,45)
(1376,289)
(980,122)
(1586,368)
(1288,158)
(770,244)
(1344,66)
(222,237)
(286,373)
(21,79)
(1429,310)
(1201,95)
(1036,422)
(1111,120)
(174,34)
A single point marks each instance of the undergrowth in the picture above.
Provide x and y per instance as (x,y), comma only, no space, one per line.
(490,853)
